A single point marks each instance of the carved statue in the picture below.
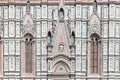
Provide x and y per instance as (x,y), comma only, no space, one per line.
(61,15)
(73,38)
(49,39)
(95,6)
(53,11)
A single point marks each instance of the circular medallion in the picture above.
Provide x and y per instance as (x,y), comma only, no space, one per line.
(95,29)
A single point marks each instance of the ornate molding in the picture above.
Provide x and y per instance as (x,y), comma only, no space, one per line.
(27,29)
(94,24)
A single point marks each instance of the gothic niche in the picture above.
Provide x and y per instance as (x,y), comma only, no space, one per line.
(72,38)
(28,53)
(61,14)
(28,7)
(95,6)
(49,38)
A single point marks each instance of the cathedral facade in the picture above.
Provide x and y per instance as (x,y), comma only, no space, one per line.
(60,40)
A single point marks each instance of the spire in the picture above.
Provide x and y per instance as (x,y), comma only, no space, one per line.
(28,7)
(95,6)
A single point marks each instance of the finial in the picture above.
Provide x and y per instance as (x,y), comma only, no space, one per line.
(95,6)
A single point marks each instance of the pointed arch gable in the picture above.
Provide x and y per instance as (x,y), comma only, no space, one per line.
(61,60)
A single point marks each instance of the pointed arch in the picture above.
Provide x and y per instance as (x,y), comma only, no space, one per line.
(61,59)
(95,35)
(28,35)
(61,63)
(28,53)
(94,48)
(61,10)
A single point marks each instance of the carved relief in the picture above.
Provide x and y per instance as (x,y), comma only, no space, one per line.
(27,29)
(61,47)
(94,29)
(94,24)
(27,25)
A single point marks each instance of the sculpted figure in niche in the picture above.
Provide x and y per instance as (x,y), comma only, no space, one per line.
(49,38)
(61,15)
(73,38)
(28,6)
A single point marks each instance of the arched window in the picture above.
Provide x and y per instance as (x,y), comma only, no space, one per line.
(28,53)
(49,38)
(73,38)
(94,56)
(61,14)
